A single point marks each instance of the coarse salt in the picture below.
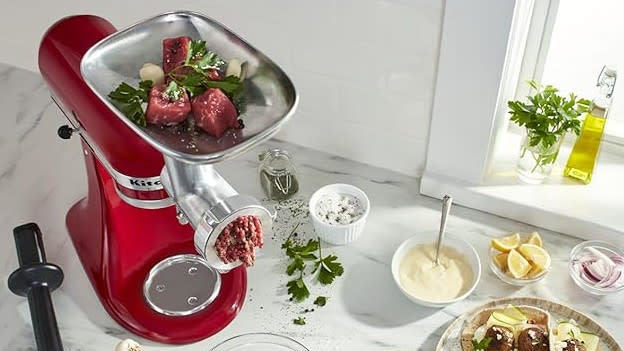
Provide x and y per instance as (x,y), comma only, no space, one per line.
(340,209)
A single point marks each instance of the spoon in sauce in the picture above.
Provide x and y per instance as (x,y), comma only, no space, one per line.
(446,208)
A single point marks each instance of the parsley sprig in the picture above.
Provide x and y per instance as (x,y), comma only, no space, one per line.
(547,117)
(199,58)
(481,345)
(128,99)
(326,268)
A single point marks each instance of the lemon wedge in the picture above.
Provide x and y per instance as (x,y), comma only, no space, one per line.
(537,255)
(534,272)
(507,243)
(518,265)
(535,239)
(501,261)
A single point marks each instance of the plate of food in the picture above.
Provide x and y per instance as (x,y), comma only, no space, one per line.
(190,86)
(525,324)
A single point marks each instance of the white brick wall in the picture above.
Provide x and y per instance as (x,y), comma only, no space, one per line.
(365,69)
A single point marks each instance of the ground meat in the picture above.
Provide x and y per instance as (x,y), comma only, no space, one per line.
(574,345)
(533,339)
(239,239)
(501,338)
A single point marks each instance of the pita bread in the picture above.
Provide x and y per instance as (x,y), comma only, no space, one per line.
(534,315)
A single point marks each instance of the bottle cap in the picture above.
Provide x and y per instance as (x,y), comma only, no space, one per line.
(610,70)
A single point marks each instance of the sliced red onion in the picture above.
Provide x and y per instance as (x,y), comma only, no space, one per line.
(590,273)
(617,259)
(598,269)
(600,256)
(610,281)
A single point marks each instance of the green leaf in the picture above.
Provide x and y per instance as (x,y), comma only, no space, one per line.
(208,61)
(296,264)
(305,252)
(299,321)
(481,345)
(200,58)
(173,91)
(320,301)
(197,49)
(329,269)
(128,100)
(298,290)
(197,82)
(144,88)
(230,85)
(547,115)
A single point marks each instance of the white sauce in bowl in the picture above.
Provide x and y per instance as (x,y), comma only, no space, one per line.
(422,278)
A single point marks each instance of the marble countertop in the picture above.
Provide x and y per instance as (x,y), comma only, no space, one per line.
(41,176)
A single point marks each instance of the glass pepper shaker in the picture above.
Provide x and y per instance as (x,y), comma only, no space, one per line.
(278,175)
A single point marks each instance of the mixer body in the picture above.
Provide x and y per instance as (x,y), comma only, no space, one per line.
(127,224)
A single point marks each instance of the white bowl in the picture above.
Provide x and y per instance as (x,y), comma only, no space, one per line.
(339,234)
(450,240)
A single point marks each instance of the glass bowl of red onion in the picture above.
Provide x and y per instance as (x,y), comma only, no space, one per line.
(597,267)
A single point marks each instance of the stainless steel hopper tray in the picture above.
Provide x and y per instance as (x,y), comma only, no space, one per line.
(270,95)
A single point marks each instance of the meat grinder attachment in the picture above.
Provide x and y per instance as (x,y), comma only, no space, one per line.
(209,203)
(203,198)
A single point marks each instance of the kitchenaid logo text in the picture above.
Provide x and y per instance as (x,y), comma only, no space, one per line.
(144,183)
(141,184)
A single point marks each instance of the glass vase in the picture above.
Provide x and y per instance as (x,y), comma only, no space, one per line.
(535,163)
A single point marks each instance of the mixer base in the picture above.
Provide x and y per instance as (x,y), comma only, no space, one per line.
(118,246)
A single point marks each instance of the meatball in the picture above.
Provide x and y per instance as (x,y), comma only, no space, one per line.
(501,338)
(533,339)
(574,345)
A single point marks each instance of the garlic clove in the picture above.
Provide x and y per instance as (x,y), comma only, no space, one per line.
(128,345)
(152,72)
(233,68)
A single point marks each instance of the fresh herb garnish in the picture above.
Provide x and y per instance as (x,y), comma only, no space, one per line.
(196,82)
(200,58)
(481,345)
(320,301)
(548,115)
(173,91)
(299,321)
(327,267)
(128,99)
(298,289)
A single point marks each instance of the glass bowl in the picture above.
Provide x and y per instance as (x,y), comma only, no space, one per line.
(603,246)
(509,279)
(260,342)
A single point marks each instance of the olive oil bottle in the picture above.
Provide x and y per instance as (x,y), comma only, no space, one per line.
(583,157)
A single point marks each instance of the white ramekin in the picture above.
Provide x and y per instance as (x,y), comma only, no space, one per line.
(339,234)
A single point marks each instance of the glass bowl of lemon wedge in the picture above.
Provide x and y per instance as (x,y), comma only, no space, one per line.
(519,259)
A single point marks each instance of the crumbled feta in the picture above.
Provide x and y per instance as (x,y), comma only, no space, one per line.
(339,209)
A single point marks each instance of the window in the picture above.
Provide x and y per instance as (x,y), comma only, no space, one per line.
(587,35)
(489,49)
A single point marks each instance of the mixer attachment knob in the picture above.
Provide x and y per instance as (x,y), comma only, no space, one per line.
(65,131)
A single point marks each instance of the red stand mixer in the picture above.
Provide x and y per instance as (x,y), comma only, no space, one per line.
(146,184)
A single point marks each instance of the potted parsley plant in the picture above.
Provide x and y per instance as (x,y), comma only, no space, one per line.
(546,118)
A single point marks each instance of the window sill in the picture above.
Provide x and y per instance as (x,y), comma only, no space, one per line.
(593,211)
